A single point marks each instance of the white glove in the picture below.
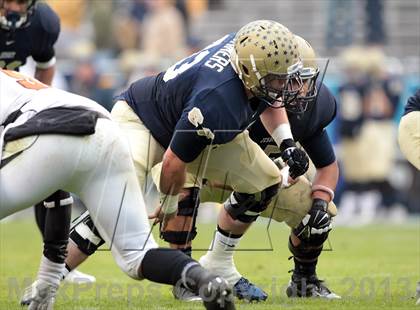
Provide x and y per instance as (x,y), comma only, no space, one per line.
(43,297)
(285,177)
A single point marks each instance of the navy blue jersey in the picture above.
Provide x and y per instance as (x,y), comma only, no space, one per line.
(35,38)
(413,103)
(205,81)
(307,128)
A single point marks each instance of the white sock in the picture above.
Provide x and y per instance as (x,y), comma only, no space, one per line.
(219,258)
(50,272)
(223,244)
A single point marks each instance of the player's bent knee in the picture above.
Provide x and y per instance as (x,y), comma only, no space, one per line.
(247,207)
(131,266)
(130,261)
(85,235)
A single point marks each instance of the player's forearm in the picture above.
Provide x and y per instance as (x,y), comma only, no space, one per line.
(325,177)
(171,182)
(272,119)
(277,124)
(45,75)
(173,174)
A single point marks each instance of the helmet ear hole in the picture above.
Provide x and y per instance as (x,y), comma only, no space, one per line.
(245,70)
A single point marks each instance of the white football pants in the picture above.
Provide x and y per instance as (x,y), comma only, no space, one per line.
(98,168)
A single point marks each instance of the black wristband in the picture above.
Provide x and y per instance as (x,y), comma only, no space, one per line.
(286,143)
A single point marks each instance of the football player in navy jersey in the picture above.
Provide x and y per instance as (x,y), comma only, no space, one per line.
(197,112)
(306,208)
(30,29)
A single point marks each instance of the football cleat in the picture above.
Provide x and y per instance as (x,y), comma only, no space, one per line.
(39,296)
(217,295)
(78,277)
(182,293)
(243,289)
(304,286)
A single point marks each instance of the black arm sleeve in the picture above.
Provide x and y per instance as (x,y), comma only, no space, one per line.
(47,32)
(186,143)
(319,149)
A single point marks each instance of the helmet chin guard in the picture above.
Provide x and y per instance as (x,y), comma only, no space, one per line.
(309,73)
(13,20)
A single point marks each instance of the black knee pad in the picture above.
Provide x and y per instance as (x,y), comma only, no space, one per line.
(247,207)
(186,207)
(179,237)
(85,235)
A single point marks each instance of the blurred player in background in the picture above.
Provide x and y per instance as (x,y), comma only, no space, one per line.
(30,29)
(54,139)
(369,97)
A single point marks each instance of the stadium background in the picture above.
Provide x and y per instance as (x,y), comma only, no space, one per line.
(106,44)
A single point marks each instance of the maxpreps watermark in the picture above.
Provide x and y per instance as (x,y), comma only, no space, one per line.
(98,291)
(366,288)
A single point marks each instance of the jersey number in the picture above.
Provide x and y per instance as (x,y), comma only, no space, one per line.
(25,81)
(186,63)
(177,68)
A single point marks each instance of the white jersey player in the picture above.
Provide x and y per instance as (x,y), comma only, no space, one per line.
(53,140)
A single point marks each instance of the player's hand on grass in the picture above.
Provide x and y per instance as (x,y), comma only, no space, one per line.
(43,296)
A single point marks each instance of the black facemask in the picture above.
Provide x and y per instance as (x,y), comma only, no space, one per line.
(13,18)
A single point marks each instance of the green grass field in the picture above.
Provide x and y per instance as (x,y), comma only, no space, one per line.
(375,267)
